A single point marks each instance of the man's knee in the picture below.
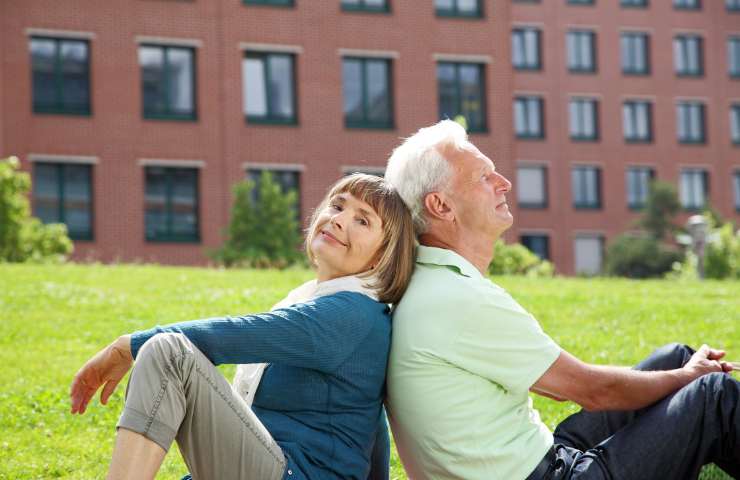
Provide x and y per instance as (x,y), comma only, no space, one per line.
(667,357)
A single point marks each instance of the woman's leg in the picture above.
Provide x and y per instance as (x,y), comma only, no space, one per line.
(175,392)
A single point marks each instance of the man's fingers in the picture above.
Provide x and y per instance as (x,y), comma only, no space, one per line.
(716,354)
(704,350)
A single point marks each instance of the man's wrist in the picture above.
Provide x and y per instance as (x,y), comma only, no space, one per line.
(123,345)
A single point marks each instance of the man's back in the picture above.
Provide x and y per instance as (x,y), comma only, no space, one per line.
(463,357)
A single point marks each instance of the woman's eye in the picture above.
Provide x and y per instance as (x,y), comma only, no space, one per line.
(336,206)
(363,222)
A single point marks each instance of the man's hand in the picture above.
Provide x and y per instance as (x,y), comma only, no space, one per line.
(107,367)
(706,360)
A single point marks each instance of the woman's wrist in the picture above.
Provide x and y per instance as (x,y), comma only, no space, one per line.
(123,345)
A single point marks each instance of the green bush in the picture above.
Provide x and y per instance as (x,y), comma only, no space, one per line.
(265,233)
(516,259)
(636,256)
(661,208)
(722,255)
(23,237)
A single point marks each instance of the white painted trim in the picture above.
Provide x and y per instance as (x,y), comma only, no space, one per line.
(167,41)
(533,163)
(281,167)
(626,97)
(56,158)
(459,57)
(52,32)
(162,162)
(539,25)
(354,52)
(345,169)
(270,47)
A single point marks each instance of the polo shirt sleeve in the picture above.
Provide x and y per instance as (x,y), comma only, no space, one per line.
(502,342)
(318,334)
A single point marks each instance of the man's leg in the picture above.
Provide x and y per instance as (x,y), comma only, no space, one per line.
(583,430)
(674,438)
(175,392)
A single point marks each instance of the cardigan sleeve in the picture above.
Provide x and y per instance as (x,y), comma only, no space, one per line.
(318,334)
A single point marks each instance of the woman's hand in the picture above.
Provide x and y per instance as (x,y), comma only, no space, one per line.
(107,367)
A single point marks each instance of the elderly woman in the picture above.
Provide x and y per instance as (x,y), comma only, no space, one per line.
(316,412)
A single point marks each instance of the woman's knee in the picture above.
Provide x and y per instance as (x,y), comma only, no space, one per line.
(165,346)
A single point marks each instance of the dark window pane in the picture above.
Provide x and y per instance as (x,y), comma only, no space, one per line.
(46,200)
(75,76)
(151,60)
(61,75)
(156,202)
(184,204)
(378,91)
(471,85)
(537,244)
(77,200)
(167,81)
(352,83)
(448,88)
(585,184)
(281,86)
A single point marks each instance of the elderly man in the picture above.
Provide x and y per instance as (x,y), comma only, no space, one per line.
(465,356)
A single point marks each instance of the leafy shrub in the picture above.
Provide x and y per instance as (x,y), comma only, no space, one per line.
(23,237)
(640,257)
(516,259)
(661,207)
(264,233)
(722,255)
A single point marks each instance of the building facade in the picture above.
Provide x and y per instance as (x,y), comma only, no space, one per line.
(135,119)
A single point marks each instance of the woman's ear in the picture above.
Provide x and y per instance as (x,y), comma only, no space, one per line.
(438,206)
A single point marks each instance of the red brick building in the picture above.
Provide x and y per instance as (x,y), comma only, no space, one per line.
(136,118)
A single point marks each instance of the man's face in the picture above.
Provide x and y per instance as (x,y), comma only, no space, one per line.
(478,193)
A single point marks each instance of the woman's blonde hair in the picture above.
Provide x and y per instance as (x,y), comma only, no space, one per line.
(395,263)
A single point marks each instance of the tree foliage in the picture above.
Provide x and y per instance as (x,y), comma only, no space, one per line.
(661,208)
(23,237)
(264,230)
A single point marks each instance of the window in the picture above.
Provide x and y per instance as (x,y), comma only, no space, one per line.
(525,48)
(638,186)
(365,5)
(635,56)
(687,4)
(275,3)
(735,123)
(61,75)
(461,92)
(694,188)
(688,56)
(732,5)
(171,204)
(637,121)
(589,254)
(733,57)
(690,122)
(458,8)
(62,193)
(583,119)
(634,3)
(581,2)
(736,188)
(528,117)
(269,88)
(537,244)
(586,183)
(581,46)
(289,180)
(531,186)
(167,82)
(367,92)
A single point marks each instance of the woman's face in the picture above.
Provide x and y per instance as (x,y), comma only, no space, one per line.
(347,236)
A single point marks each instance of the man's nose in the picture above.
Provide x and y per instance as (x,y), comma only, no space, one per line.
(503,184)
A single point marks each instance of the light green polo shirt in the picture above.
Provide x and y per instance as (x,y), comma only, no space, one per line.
(464,354)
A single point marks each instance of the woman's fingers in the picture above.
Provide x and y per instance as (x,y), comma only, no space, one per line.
(108,389)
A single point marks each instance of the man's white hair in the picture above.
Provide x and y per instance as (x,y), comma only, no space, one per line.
(417,166)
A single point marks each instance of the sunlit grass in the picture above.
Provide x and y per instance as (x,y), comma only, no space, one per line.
(52,318)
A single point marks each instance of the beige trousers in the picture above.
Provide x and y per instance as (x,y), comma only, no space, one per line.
(176,393)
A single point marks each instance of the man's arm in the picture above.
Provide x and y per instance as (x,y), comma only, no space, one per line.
(596,387)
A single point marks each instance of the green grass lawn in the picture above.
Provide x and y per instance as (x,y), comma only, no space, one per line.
(53,318)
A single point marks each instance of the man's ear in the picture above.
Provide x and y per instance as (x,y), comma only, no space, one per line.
(438,206)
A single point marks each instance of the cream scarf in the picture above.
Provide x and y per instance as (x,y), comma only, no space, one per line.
(248,376)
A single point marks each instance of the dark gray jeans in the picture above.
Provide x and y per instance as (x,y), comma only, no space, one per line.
(671,439)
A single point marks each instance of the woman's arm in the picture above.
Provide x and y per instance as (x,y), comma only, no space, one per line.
(107,367)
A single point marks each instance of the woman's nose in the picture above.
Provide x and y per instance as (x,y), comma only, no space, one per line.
(337,220)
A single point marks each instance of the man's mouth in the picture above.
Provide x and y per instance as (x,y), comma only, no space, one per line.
(324,232)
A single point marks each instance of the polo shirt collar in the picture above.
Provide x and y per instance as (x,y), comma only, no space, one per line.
(446,258)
